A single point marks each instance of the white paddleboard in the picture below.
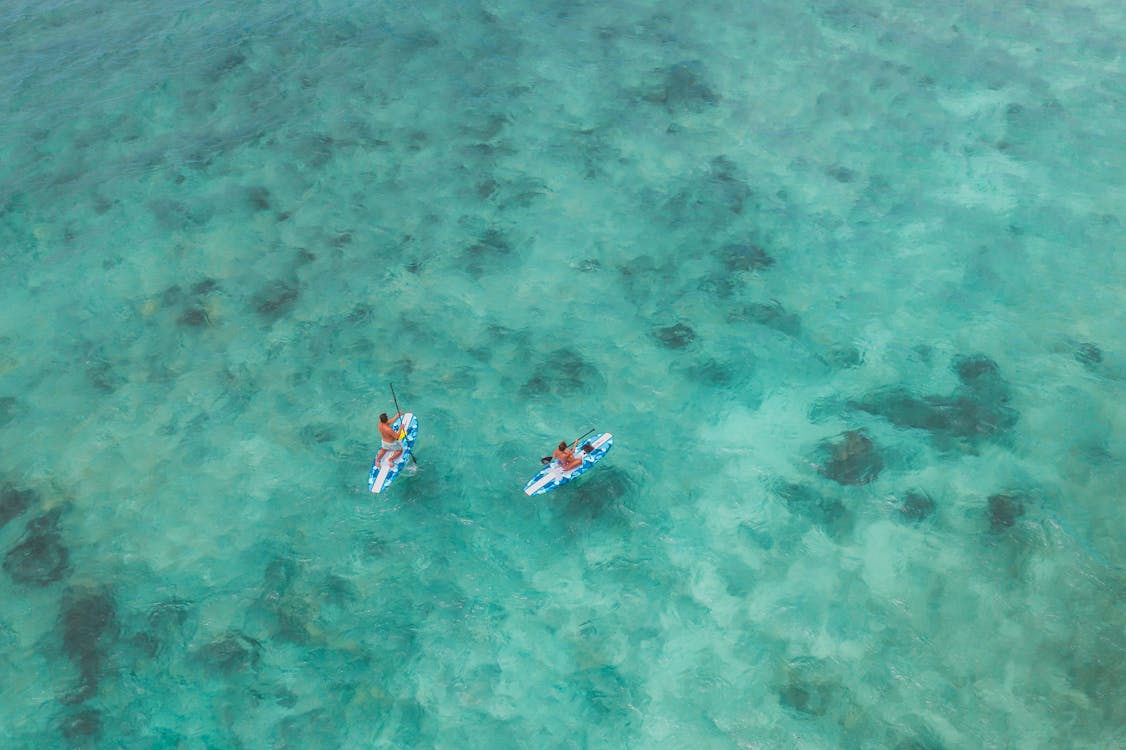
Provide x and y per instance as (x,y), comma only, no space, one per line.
(381,476)
(552,475)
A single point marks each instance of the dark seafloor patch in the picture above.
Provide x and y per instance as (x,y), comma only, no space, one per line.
(40,558)
(14,502)
(1004,509)
(851,459)
(88,620)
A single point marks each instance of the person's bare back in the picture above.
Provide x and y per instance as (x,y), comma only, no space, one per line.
(565,455)
(389,439)
(387,432)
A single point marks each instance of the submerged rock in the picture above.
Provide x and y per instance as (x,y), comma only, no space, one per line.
(771,315)
(14,502)
(683,86)
(977,410)
(851,460)
(233,652)
(917,506)
(903,409)
(804,698)
(707,200)
(173,295)
(601,491)
(85,723)
(491,245)
(714,373)
(315,728)
(176,215)
(607,695)
(315,150)
(1089,355)
(641,276)
(103,376)
(981,381)
(171,624)
(571,368)
(1004,510)
(275,299)
(563,373)
(194,317)
(844,357)
(841,173)
(804,500)
(9,409)
(751,534)
(720,284)
(206,286)
(973,368)
(487,253)
(88,623)
(915,743)
(745,257)
(292,620)
(676,336)
(725,187)
(317,432)
(258,198)
(40,558)
(807,691)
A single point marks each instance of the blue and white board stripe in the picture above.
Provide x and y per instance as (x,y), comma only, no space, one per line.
(381,476)
(552,475)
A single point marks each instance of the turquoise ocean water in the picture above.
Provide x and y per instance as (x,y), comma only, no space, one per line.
(845,280)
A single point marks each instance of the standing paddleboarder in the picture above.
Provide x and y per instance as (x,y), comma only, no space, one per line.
(397,435)
(390,440)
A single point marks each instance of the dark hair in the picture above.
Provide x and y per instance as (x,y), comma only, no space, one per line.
(382,417)
(562,445)
(587,447)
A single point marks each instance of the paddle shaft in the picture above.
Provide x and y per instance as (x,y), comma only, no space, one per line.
(396,400)
(547,459)
(580,437)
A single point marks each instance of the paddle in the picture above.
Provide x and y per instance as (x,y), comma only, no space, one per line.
(547,459)
(402,429)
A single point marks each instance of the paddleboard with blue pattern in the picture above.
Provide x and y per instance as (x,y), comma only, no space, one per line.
(381,476)
(552,475)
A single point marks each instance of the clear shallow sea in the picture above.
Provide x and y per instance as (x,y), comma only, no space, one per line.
(846,281)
